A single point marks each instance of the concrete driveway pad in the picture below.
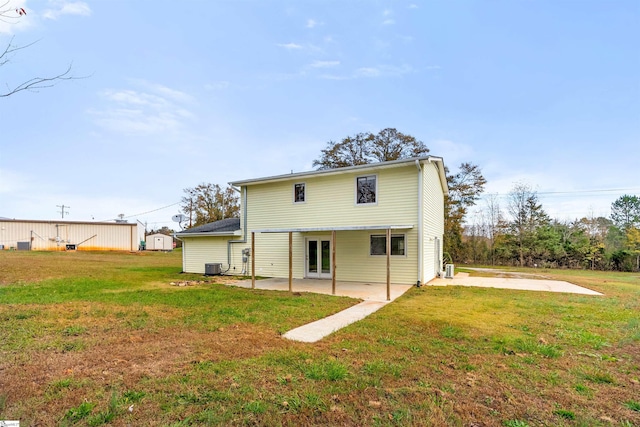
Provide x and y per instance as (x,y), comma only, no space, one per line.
(523,284)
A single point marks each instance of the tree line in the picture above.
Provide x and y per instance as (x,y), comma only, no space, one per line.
(524,235)
(520,234)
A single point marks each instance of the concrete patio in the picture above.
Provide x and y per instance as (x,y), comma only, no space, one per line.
(360,290)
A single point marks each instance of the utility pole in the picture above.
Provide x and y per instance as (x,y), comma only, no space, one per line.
(62,211)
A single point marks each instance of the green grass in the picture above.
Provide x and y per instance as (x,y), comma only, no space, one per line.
(633,405)
(93,339)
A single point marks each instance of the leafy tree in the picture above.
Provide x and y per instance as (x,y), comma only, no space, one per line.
(494,223)
(207,203)
(625,212)
(527,217)
(365,148)
(465,188)
(633,243)
(163,230)
(10,15)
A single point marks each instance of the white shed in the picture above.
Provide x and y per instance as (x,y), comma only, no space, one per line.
(159,242)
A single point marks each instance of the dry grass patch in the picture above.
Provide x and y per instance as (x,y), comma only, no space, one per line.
(116,344)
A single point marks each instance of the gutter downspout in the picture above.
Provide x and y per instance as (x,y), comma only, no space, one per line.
(184,250)
(244,228)
(420,221)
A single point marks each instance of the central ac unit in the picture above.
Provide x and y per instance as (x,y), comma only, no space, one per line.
(449,271)
(212,269)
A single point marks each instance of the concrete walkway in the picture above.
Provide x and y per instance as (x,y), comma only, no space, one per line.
(315,331)
(374,296)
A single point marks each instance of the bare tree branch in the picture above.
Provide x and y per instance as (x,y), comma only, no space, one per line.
(10,15)
(33,84)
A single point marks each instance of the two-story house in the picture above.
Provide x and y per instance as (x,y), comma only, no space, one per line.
(332,224)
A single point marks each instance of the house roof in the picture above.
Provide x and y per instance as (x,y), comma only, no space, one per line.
(371,166)
(224,226)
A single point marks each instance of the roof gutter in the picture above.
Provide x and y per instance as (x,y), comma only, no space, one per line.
(184,250)
(206,234)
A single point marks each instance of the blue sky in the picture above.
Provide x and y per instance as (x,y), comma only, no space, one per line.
(545,93)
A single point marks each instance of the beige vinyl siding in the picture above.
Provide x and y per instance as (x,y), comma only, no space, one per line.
(55,235)
(205,250)
(433,224)
(330,201)
(272,254)
(355,263)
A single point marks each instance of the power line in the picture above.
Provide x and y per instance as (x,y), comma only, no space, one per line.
(543,193)
(147,212)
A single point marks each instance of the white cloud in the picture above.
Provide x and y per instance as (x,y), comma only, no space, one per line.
(156,109)
(135,98)
(388,22)
(333,77)
(387,12)
(312,23)
(290,46)
(384,71)
(60,8)
(324,64)
(372,72)
(413,6)
(368,72)
(217,85)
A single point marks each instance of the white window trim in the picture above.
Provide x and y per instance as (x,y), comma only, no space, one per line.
(294,193)
(404,238)
(355,199)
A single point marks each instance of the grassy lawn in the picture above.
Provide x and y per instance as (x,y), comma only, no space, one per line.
(92,339)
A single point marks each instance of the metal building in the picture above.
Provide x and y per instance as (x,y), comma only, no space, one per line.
(36,235)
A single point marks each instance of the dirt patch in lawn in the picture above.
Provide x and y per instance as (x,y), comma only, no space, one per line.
(123,359)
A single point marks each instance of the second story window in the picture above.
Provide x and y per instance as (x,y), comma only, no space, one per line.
(366,190)
(299,193)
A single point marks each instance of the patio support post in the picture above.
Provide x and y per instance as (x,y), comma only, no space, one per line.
(388,264)
(290,261)
(333,262)
(253,260)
